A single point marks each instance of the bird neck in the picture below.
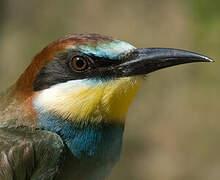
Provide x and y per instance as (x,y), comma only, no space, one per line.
(89,141)
(16,109)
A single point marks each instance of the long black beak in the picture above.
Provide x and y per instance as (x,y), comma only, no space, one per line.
(146,60)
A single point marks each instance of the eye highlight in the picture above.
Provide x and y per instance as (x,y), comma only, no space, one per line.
(79,63)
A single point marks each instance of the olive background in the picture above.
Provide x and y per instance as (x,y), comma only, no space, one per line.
(173,126)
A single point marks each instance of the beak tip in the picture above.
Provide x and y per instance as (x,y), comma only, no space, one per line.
(207,59)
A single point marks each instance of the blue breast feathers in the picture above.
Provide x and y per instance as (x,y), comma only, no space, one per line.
(98,141)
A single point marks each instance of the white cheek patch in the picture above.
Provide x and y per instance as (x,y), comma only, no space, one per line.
(48,96)
(57,95)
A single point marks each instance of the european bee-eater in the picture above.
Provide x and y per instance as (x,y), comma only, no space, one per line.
(64,117)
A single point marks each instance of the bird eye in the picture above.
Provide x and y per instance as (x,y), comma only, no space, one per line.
(79,63)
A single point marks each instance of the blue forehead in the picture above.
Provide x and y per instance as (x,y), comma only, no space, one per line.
(112,50)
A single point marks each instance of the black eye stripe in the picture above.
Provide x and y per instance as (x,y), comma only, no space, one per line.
(61,69)
(98,61)
(103,62)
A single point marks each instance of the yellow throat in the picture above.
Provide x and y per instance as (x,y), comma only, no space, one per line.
(82,101)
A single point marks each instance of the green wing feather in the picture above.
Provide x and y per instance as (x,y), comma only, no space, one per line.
(26,154)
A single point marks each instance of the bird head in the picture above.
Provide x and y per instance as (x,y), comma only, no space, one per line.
(92,78)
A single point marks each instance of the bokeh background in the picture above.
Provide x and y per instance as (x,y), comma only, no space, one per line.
(173,126)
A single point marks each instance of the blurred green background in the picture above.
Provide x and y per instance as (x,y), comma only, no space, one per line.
(173,126)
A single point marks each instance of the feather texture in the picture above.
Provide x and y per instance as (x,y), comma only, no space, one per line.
(83,101)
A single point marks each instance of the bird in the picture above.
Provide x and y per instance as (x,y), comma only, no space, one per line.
(64,117)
